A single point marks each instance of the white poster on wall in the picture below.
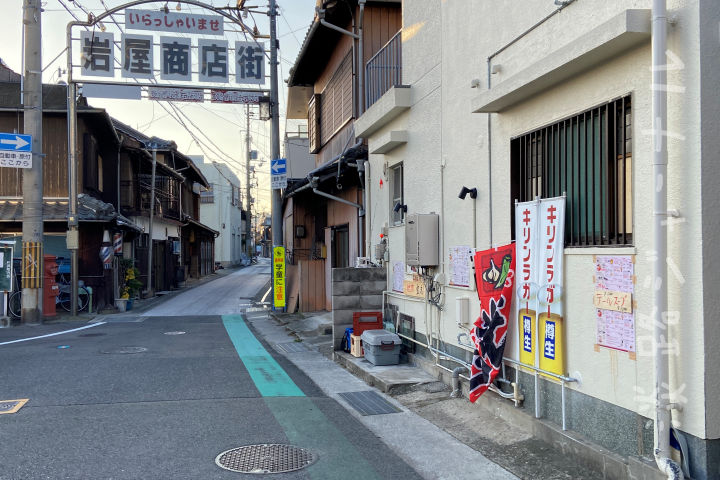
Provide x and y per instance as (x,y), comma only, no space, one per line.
(398,276)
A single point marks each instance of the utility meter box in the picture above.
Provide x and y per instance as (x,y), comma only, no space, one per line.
(422,239)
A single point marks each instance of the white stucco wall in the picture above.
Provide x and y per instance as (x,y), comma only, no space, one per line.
(445,47)
(222,215)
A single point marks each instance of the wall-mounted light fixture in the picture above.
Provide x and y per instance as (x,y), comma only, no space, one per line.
(465,191)
(399,206)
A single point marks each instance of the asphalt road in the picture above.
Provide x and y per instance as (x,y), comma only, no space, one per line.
(135,399)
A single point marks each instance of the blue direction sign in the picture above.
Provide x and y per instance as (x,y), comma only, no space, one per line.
(15,150)
(15,142)
(278,166)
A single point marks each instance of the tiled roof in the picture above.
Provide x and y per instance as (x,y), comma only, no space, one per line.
(90,209)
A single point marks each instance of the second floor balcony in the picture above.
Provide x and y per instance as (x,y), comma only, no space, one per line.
(135,196)
(384,70)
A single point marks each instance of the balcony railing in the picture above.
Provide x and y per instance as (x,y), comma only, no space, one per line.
(384,70)
(135,196)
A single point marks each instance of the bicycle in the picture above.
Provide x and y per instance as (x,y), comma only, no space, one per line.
(64,300)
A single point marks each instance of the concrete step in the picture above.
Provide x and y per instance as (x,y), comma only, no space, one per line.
(389,378)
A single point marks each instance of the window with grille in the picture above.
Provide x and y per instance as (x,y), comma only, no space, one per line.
(588,157)
(314,123)
(396,197)
(337,103)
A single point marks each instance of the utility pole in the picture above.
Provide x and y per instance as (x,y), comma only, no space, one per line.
(248,214)
(32,182)
(149,291)
(277,237)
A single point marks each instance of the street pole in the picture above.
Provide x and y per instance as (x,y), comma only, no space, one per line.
(150,227)
(248,215)
(32,182)
(277,236)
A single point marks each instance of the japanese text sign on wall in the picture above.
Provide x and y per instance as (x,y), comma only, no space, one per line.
(173,22)
(614,288)
(279,277)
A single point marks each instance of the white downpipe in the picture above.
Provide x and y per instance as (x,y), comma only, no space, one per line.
(659,110)
(368,218)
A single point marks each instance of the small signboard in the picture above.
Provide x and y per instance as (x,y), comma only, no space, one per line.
(15,150)
(158,20)
(234,96)
(6,268)
(279,277)
(278,173)
(176,94)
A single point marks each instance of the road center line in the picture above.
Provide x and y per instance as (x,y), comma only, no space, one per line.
(53,334)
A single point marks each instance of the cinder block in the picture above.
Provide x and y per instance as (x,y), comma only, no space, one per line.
(346,302)
(371,301)
(340,289)
(342,317)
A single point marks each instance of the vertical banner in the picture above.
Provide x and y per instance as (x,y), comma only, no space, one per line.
(494,273)
(279,277)
(32,269)
(526,258)
(550,294)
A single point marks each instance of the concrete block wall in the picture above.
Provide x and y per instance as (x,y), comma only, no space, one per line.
(354,290)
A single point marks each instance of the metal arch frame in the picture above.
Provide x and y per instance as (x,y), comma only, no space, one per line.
(98,19)
(72,128)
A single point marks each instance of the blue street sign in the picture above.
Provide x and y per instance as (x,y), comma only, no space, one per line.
(278,166)
(15,142)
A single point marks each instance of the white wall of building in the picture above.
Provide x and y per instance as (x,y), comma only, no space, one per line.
(221,214)
(445,47)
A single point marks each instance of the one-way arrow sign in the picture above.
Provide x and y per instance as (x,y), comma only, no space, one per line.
(278,173)
(278,166)
(15,142)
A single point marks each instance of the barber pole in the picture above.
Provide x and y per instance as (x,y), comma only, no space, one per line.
(117,243)
(106,252)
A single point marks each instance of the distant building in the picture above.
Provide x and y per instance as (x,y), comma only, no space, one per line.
(221,209)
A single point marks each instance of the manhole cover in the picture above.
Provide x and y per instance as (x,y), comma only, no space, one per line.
(266,458)
(126,350)
(174,333)
(91,335)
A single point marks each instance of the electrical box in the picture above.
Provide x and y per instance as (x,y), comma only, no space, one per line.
(462,310)
(422,239)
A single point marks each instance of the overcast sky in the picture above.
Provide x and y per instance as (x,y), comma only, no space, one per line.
(216,128)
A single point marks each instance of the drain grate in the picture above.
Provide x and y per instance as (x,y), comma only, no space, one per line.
(255,309)
(126,350)
(91,335)
(291,347)
(369,402)
(12,406)
(265,458)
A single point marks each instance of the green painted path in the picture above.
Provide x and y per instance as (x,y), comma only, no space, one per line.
(268,376)
(302,421)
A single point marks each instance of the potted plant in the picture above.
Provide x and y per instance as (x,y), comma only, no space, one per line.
(131,285)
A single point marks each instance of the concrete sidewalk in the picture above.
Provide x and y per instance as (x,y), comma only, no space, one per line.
(526,447)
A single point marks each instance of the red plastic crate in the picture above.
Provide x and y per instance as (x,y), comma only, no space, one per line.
(366,321)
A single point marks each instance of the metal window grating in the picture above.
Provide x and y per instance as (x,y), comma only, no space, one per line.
(589,158)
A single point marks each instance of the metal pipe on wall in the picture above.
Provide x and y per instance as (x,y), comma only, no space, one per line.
(663,406)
